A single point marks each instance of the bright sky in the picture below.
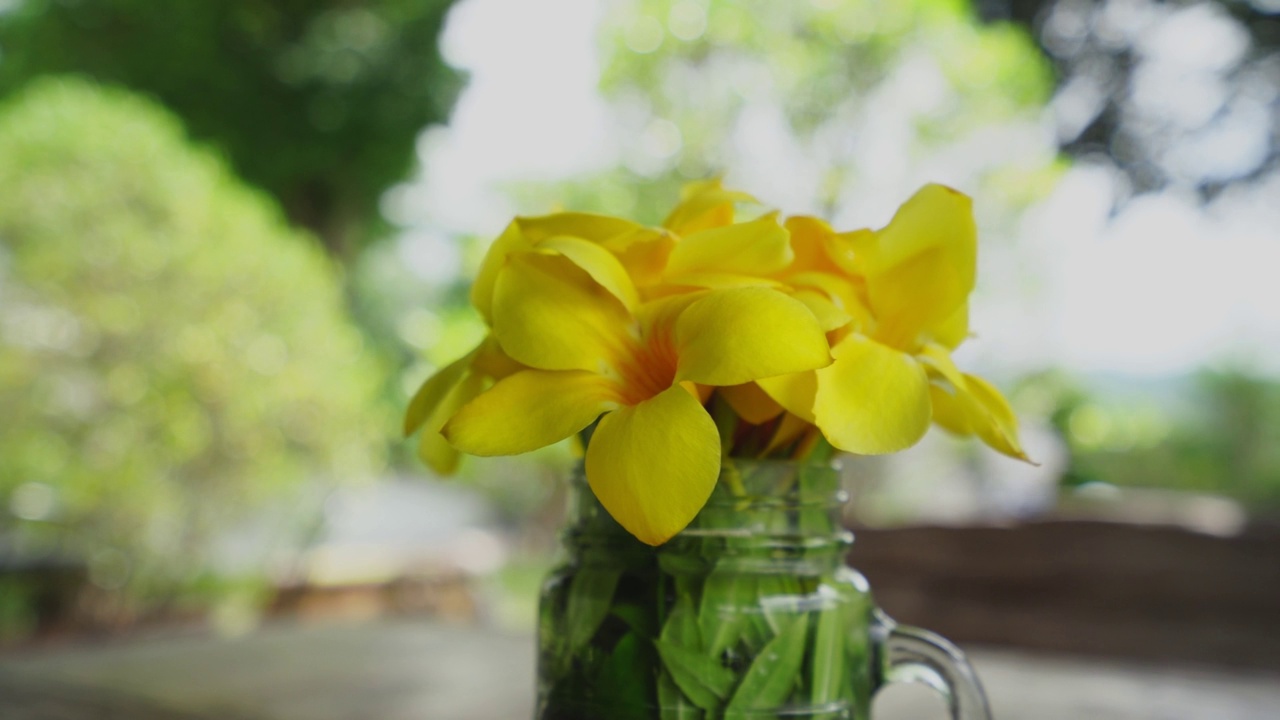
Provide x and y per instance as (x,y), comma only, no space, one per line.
(1161,288)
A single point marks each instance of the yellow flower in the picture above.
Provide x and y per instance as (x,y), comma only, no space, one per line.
(654,456)
(611,250)
(801,331)
(905,289)
(443,393)
(704,205)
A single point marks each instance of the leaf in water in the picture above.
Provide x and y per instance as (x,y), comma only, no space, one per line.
(625,682)
(675,706)
(828,660)
(724,599)
(816,491)
(756,633)
(637,616)
(590,595)
(772,675)
(778,599)
(704,680)
(681,627)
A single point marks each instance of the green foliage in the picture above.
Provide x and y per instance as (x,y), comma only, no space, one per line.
(817,56)
(686,76)
(1217,432)
(171,353)
(319,102)
(748,613)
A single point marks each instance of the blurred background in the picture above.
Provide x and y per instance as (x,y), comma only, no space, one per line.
(235,237)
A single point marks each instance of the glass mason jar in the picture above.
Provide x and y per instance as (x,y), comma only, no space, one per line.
(750,612)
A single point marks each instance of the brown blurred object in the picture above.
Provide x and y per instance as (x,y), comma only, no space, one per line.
(446,595)
(1085,586)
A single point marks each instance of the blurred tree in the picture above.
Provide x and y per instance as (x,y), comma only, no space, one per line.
(172,354)
(830,107)
(1216,432)
(1172,94)
(319,102)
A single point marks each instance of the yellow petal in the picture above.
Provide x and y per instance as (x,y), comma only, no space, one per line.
(526,232)
(937,361)
(789,430)
(491,362)
(433,391)
(992,418)
(704,205)
(549,314)
(751,403)
(701,393)
(849,250)
(795,392)
(511,240)
(757,248)
(952,330)
(653,465)
(588,226)
(921,267)
(842,290)
(811,240)
(643,252)
(949,410)
(966,404)
(936,216)
(529,410)
(829,315)
(729,337)
(599,263)
(720,281)
(433,449)
(437,454)
(872,399)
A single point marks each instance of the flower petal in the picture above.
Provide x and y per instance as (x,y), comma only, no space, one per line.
(936,216)
(704,205)
(529,410)
(525,233)
(643,252)
(436,453)
(812,241)
(511,240)
(599,263)
(873,399)
(719,281)
(751,403)
(492,362)
(938,363)
(729,337)
(588,226)
(949,409)
(433,449)
(549,314)
(842,290)
(795,392)
(653,465)
(952,330)
(433,391)
(758,248)
(992,418)
(920,269)
(828,314)
(789,430)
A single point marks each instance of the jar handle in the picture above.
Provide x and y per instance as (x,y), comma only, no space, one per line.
(911,655)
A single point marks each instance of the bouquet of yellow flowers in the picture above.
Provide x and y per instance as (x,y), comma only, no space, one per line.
(668,349)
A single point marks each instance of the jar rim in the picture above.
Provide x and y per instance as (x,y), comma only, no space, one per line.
(776,482)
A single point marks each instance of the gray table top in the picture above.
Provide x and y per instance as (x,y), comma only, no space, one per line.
(421,670)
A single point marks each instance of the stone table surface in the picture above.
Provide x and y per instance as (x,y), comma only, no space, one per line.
(420,670)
